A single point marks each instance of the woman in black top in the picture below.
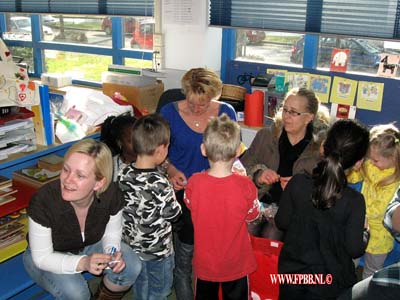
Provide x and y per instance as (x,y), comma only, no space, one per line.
(323,219)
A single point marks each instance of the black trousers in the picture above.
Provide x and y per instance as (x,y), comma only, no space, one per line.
(231,290)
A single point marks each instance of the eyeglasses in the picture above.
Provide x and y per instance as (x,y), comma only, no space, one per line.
(293,113)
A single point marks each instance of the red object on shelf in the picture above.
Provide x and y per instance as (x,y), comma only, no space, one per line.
(254,109)
(23,196)
(22,113)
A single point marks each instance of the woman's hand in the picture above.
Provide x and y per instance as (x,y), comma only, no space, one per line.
(117,264)
(176,177)
(268,177)
(94,263)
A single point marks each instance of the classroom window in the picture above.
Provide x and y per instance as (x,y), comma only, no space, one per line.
(82,45)
(23,55)
(267,46)
(80,65)
(288,49)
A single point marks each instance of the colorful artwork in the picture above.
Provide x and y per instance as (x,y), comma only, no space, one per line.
(321,85)
(370,95)
(388,65)
(298,80)
(343,90)
(343,111)
(339,60)
(277,72)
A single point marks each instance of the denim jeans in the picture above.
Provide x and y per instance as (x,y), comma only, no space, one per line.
(183,270)
(155,280)
(74,286)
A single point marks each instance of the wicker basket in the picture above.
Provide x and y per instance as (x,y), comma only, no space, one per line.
(233,92)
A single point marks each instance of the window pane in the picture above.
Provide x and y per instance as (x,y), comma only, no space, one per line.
(138,63)
(18,27)
(78,65)
(267,46)
(78,29)
(23,55)
(364,54)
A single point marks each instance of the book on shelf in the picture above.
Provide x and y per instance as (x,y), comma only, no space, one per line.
(51,162)
(5,182)
(7,199)
(7,192)
(11,233)
(35,176)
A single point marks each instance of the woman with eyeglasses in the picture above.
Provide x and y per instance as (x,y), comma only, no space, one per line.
(288,147)
(188,119)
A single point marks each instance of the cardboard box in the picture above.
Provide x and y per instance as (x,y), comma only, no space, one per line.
(143,98)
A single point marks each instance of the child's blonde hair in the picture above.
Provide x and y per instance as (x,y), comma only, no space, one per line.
(386,140)
(221,139)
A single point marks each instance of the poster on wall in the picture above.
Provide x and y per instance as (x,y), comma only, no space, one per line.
(277,72)
(339,60)
(369,95)
(343,90)
(298,80)
(388,65)
(343,111)
(321,85)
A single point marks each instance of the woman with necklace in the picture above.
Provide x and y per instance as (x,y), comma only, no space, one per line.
(188,119)
(75,226)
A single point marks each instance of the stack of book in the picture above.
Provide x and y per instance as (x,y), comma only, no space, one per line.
(17,133)
(51,162)
(7,192)
(11,232)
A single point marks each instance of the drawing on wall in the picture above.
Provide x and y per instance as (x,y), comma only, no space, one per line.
(339,60)
(369,95)
(343,90)
(343,111)
(321,85)
(388,65)
(298,79)
(277,72)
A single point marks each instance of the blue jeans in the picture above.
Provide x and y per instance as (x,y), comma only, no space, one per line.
(74,286)
(183,270)
(155,280)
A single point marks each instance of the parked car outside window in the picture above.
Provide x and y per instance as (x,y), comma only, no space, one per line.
(129,25)
(19,24)
(255,36)
(142,36)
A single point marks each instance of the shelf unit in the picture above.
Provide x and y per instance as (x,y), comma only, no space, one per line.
(16,162)
(20,285)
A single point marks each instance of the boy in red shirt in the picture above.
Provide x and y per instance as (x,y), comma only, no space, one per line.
(221,205)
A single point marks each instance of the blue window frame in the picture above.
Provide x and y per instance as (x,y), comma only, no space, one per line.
(116,51)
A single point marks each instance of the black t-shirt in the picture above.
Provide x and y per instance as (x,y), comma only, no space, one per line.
(49,210)
(288,155)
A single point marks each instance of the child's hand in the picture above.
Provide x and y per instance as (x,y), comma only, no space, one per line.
(178,180)
(284,181)
(270,210)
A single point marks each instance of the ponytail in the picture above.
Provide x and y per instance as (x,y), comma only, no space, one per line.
(329,181)
(345,144)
